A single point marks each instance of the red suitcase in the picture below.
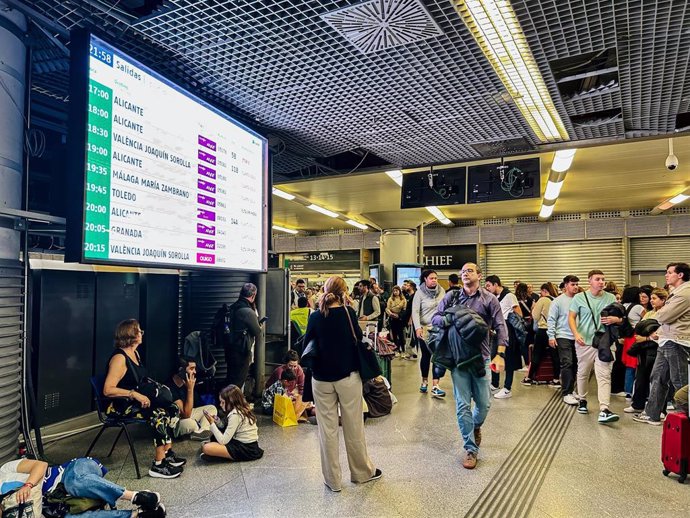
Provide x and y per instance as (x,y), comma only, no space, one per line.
(544,373)
(675,445)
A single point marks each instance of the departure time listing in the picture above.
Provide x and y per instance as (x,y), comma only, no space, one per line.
(168,181)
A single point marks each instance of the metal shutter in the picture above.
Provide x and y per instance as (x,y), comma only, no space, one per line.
(201,294)
(536,263)
(11,310)
(654,253)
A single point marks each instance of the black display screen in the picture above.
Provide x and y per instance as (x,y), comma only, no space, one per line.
(515,179)
(434,187)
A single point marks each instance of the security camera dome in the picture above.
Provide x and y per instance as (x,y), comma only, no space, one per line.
(671,162)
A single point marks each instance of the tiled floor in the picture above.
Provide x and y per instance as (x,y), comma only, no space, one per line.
(599,470)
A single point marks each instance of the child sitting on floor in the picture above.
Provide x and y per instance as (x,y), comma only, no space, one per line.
(239,441)
(281,387)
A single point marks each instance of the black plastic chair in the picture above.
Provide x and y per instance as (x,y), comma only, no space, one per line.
(112,421)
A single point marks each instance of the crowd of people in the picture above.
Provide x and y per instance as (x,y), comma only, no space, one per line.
(636,341)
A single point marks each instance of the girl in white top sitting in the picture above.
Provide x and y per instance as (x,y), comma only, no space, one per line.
(239,441)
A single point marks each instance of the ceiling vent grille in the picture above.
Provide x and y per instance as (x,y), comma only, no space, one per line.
(383,24)
(466,223)
(605,214)
(528,219)
(639,212)
(681,210)
(497,221)
(566,217)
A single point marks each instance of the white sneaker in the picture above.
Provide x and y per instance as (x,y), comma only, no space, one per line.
(570,400)
(631,410)
(670,406)
(503,394)
(493,389)
(524,369)
(619,394)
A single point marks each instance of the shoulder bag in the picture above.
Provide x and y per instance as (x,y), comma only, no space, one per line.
(159,394)
(368,364)
(310,353)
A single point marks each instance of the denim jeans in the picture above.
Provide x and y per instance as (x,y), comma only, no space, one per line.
(465,388)
(671,364)
(83,478)
(629,380)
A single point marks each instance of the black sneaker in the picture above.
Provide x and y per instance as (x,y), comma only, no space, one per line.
(377,475)
(164,470)
(582,407)
(146,499)
(173,459)
(158,512)
(527,382)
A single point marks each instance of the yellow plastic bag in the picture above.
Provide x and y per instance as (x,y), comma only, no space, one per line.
(283,411)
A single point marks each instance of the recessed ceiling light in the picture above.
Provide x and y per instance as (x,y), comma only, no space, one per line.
(283,194)
(327,212)
(283,229)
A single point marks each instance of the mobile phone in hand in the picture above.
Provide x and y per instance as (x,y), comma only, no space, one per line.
(262,320)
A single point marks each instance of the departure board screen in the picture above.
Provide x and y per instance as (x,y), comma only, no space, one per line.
(168,179)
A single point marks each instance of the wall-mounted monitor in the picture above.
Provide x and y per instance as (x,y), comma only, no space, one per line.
(512,180)
(160,177)
(406,271)
(434,187)
(376,271)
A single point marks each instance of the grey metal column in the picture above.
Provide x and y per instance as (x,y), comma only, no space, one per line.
(13,74)
(260,346)
(12,321)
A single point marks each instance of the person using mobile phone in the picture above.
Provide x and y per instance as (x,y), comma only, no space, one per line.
(185,395)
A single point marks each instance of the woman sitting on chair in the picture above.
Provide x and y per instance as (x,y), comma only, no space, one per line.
(125,370)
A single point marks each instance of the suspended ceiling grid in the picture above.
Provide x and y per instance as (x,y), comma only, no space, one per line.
(652,42)
(420,103)
(283,68)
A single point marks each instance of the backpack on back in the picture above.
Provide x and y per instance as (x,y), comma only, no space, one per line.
(197,345)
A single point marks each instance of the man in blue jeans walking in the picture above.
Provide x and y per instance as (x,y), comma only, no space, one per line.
(81,477)
(466,385)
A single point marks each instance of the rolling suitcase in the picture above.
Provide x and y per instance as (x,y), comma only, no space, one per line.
(675,444)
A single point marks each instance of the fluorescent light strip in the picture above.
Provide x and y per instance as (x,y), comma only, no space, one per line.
(396,176)
(546,211)
(562,160)
(357,224)
(327,212)
(436,212)
(553,189)
(496,29)
(283,194)
(678,198)
(283,229)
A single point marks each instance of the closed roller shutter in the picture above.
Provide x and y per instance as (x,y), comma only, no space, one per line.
(653,254)
(11,309)
(201,294)
(536,263)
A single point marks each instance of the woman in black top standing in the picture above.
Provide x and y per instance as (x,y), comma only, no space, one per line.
(336,381)
(125,370)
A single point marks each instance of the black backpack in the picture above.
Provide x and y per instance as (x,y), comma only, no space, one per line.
(197,345)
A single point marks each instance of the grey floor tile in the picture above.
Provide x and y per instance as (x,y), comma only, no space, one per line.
(611,471)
